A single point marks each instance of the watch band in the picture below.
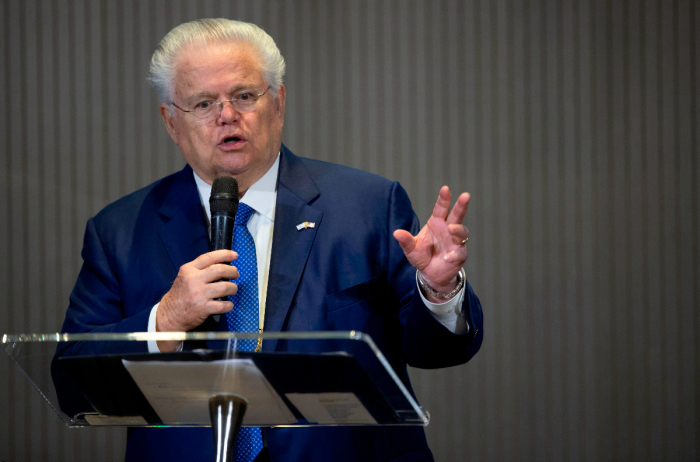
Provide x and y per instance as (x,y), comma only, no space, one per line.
(424,285)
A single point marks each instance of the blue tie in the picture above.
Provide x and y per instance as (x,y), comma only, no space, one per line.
(245,315)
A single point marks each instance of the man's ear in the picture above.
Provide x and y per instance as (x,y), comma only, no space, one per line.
(167,115)
(279,103)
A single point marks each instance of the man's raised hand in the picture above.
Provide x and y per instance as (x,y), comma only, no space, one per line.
(439,250)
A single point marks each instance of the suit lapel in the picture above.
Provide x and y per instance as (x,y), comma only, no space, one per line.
(184,231)
(290,246)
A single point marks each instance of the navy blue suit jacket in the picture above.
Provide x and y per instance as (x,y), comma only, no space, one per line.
(346,273)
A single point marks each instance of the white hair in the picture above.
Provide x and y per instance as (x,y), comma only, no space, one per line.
(203,31)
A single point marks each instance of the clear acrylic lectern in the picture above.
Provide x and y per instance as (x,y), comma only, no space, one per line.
(292,379)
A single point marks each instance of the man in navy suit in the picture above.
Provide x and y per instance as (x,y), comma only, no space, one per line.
(359,263)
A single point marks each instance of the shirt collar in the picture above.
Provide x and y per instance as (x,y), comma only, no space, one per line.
(260,196)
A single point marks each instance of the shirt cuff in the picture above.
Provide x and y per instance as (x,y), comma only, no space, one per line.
(448,313)
(153,344)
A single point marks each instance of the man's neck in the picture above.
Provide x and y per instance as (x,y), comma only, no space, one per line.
(262,192)
(245,180)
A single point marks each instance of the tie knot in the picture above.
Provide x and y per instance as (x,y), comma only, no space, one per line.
(244,213)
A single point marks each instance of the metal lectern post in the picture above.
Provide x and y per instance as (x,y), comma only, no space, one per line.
(226,411)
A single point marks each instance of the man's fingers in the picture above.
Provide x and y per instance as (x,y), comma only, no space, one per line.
(219,307)
(219,271)
(459,233)
(457,256)
(220,289)
(442,206)
(459,211)
(405,239)
(217,256)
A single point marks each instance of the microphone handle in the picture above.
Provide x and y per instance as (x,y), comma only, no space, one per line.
(222,224)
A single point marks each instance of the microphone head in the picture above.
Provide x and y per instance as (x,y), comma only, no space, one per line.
(224,195)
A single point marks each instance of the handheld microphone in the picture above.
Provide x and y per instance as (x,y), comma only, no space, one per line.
(223,204)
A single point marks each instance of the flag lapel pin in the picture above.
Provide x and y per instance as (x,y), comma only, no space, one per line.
(305,225)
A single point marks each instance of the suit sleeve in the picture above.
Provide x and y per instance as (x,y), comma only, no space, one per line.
(427,344)
(96,304)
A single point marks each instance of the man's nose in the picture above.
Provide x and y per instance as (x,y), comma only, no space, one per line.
(228,113)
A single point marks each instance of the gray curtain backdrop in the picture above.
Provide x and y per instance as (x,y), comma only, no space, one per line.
(574,124)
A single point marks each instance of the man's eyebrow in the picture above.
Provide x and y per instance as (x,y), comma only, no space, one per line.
(211,95)
(201,95)
(239,88)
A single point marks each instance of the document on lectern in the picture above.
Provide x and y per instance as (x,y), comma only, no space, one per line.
(179,391)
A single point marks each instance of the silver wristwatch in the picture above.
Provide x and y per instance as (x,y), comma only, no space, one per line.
(429,290)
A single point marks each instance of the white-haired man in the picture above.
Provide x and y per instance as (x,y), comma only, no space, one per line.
(147,264)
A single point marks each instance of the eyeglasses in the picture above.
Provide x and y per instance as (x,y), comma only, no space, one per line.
(208,110)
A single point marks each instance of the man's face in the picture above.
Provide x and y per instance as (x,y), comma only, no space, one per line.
(243,145)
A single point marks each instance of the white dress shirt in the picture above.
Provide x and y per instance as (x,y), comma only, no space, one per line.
(262,197)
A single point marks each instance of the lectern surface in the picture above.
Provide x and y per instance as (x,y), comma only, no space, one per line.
(297,379)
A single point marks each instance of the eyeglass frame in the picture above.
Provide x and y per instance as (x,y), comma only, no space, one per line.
(221,105)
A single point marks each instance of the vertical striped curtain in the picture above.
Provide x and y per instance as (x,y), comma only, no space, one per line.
(574,124)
